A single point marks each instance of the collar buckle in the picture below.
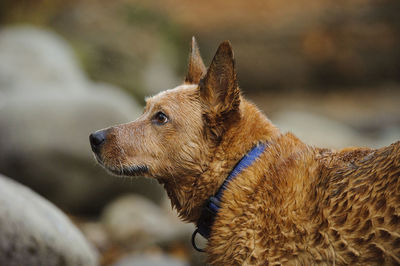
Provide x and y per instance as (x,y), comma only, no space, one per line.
(207,216)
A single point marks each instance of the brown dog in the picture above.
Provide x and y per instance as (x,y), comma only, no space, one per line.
(289,204)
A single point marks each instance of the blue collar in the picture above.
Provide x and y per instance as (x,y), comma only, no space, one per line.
(213,204)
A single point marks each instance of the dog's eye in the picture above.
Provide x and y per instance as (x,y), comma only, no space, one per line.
(160,118)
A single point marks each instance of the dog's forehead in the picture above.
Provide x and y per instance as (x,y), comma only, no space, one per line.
(168,95)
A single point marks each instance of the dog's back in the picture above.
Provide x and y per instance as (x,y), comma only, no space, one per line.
(359,195)
(313,206)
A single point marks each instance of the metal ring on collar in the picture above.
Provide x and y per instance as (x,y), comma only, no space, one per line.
(194,241)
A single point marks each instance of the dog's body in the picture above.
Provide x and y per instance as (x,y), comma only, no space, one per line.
(295,205)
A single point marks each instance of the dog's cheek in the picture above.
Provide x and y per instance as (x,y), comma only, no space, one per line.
(136,139)
(191,156)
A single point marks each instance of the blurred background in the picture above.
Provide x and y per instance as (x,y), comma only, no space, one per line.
(327,70)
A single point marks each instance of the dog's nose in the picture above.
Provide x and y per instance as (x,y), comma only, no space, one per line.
(97,139)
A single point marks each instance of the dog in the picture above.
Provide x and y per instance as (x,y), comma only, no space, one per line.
(260,196)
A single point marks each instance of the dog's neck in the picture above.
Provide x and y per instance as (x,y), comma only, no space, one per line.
(190,193)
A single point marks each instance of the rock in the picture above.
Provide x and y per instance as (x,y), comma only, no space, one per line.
(318,130)
(34,232)
(95,234)
(45,59)
(145,260)
(47,111)
(134,220)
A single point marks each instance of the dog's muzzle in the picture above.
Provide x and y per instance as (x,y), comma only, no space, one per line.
(97,139)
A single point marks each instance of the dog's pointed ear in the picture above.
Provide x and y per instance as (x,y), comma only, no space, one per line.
(196,69)
(219,88)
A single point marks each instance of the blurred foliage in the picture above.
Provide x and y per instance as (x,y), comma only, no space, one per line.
(310,44)
(171,31)
(39,12)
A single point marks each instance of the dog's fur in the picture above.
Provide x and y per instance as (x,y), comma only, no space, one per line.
(296,205)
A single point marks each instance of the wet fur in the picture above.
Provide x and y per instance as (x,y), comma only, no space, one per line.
(296,205)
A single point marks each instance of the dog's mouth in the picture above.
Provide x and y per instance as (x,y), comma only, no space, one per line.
(135,170)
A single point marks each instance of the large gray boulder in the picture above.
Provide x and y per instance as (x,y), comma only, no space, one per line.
(322,131)
(34,232)
(33,59)
(318,130)
(48,108)
(147,259)
(138,222)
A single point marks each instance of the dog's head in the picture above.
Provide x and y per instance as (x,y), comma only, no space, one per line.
(179,127)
